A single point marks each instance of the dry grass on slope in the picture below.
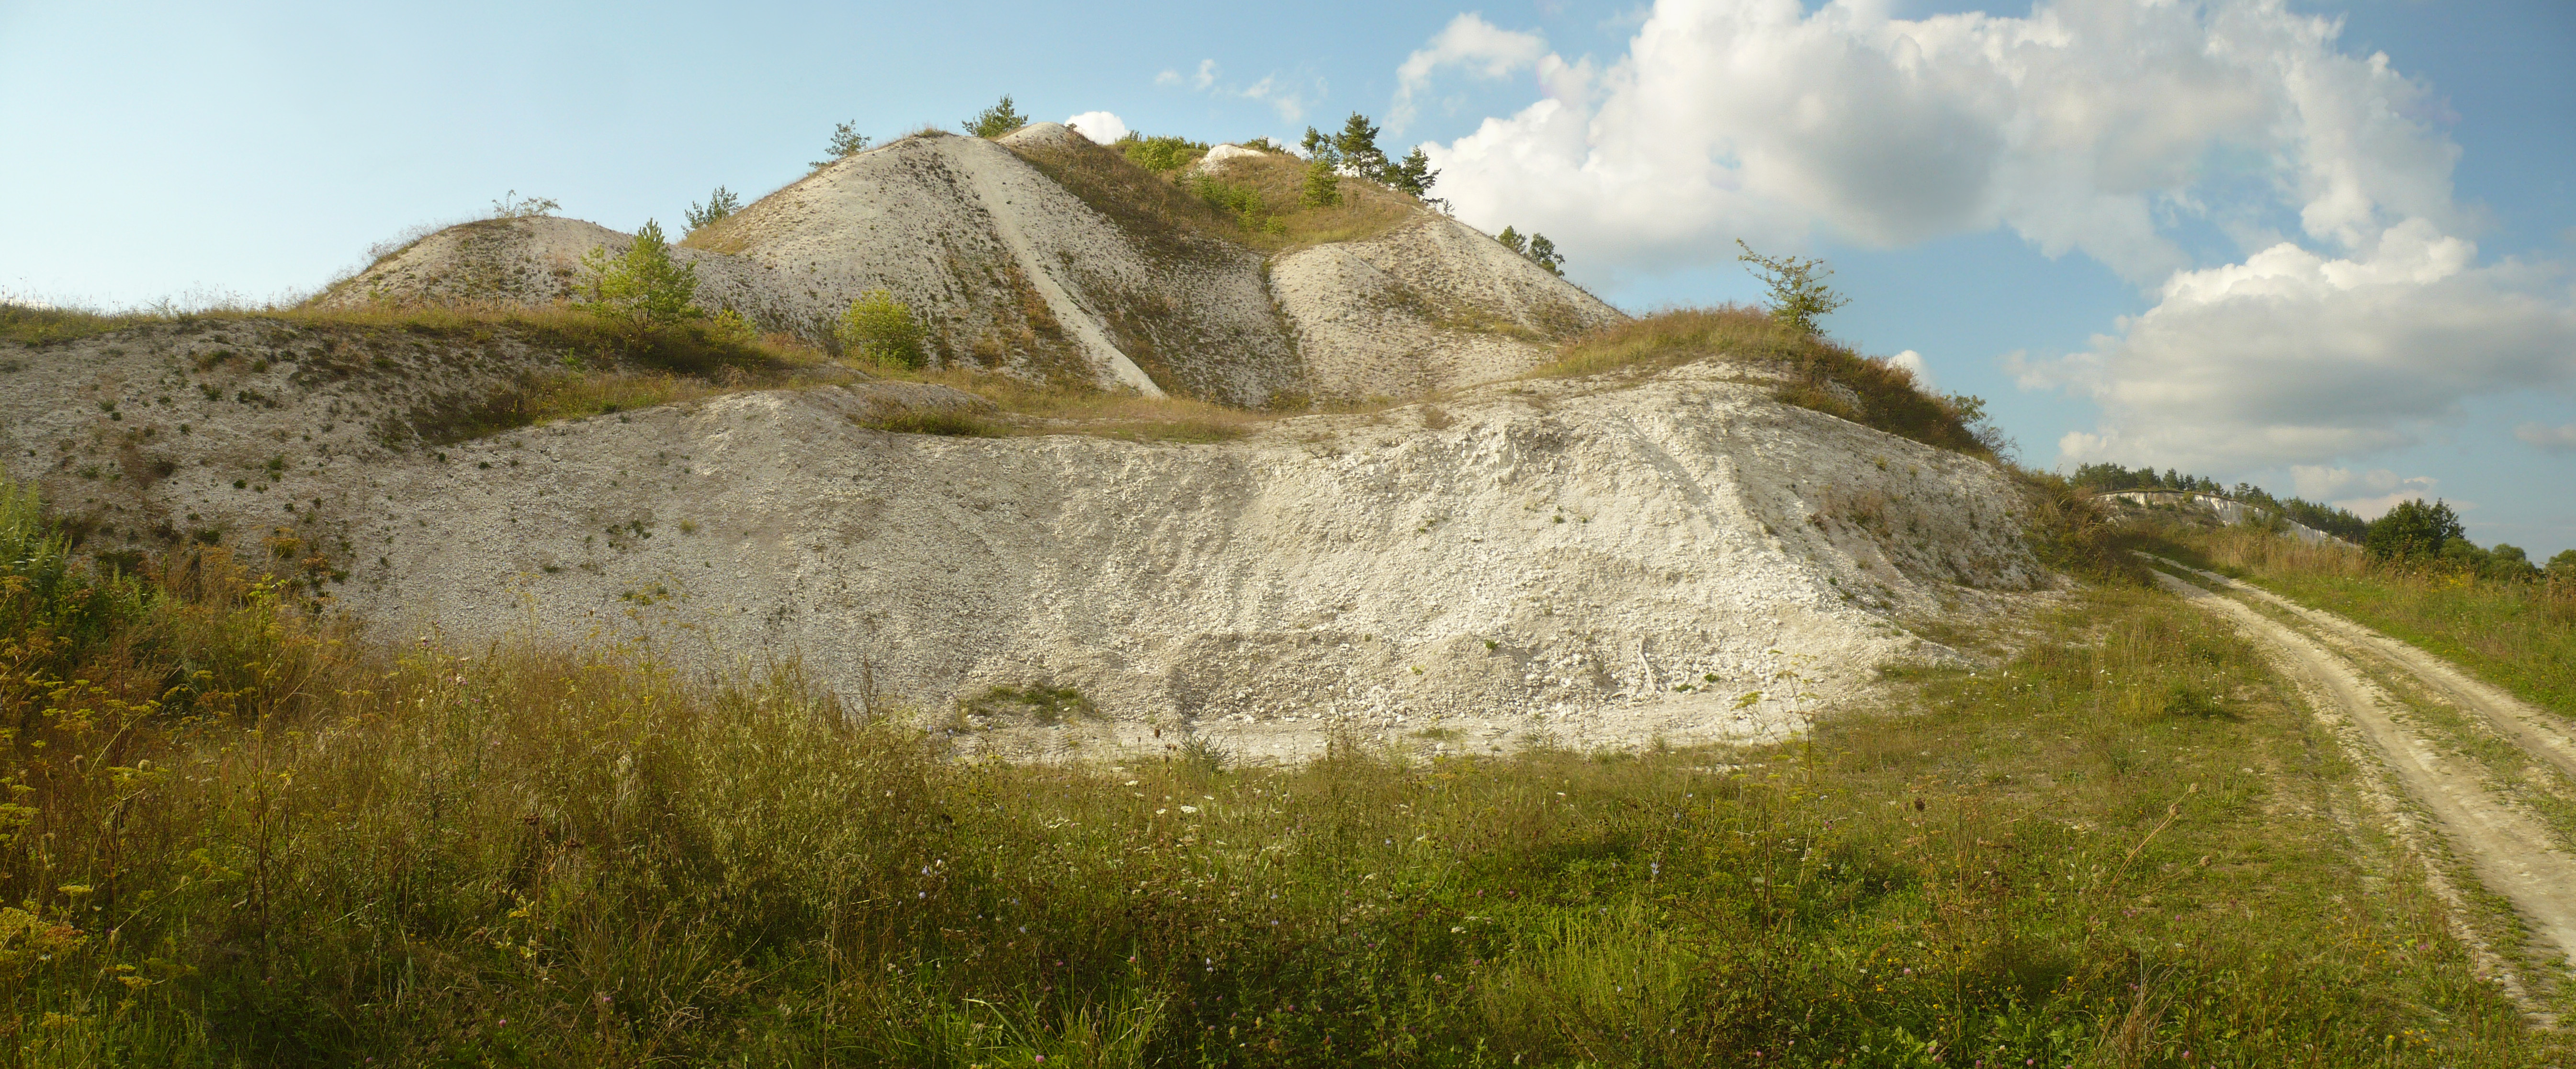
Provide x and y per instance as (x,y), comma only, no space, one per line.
(1253,201)
(1822,374)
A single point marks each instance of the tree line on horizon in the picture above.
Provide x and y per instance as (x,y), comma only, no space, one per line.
(2412,531)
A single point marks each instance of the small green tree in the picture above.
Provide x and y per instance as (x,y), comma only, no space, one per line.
(719,204)
(1543,253)
(642,287)
(1323,184)
(1357,147)
(997,120)
(2412,530)
(881,330)
(847,141)
(2562,567)
(1318,148)
(1798,291)
(1535,248)
(1415,175)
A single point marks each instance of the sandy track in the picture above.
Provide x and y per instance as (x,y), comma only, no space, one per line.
(2539,733)
(2511,852)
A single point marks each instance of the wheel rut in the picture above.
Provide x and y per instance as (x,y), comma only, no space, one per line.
(2513,853)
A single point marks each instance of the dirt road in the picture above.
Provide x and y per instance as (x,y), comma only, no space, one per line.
(2512,851)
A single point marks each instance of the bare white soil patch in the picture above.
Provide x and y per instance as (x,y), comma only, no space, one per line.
(1430,305)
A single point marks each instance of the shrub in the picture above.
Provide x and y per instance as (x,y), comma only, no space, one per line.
(1241,201)
(1798,290)
(2562,567)
(720,204)
(997,120)
(847,141)
(881,330)
(643,288)
(2413,530)
(513,206)
(1161,155)
(1323,184)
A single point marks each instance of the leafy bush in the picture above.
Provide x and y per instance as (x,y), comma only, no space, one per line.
(2562,568)
(881,330)
(720,204)
(1161,155)
(643,287)
(997,120)
(847,141)
(1798,290)
(1323,185)
(2413,530)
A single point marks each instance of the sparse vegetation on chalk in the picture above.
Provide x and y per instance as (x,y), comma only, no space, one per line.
(2115,847)
(1257,201)
(1822,374)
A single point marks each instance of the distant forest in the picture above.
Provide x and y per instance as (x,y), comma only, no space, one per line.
(2104,478)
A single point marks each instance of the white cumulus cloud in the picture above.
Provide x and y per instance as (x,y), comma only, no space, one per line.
(2292,356)
(1469,42)
(1912,362)
(2367,494)
(1100,126)
(2357,315)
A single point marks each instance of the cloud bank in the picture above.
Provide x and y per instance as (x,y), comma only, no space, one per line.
(1100,126)
(2120,130)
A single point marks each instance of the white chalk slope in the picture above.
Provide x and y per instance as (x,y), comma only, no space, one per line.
(1598,563)
(1014,272)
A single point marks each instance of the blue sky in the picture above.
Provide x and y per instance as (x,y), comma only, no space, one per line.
(2210,235)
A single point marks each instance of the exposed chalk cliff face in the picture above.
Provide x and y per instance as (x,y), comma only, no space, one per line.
(1594,562)
(1012,271)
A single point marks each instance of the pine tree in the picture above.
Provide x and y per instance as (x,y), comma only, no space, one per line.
(1414,175)
(1357,146)
(997,120)
(847,141)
